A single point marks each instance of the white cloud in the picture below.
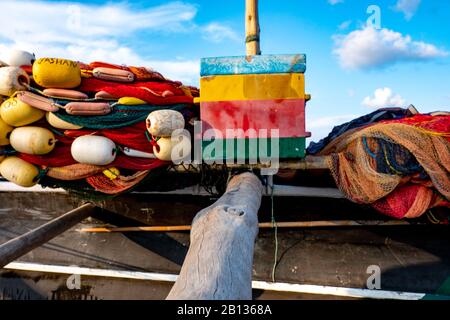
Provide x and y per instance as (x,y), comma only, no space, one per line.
(326,122)
(90,32)
(321,127)
(384,97)
(55,22)
(368,48)
(217,32)
(345,25)
(333,2)
(408,7)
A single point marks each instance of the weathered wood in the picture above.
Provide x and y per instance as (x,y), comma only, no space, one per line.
(262,225)
(218,265)
(264,64)
(23,244)
(252,28)
(249,87)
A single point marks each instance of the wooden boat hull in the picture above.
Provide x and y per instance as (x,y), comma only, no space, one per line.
(411,258)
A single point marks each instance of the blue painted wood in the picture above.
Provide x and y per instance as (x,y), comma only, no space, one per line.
(285,63)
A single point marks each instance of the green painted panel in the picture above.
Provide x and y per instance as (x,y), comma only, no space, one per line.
(254,149)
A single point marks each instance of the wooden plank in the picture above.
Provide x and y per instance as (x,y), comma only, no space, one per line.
(316,256)
(252,87)
(264,64)
(261,150)
(260,285)
(251,118)
(218,265)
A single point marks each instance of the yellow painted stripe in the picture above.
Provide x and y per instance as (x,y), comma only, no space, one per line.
(252,87)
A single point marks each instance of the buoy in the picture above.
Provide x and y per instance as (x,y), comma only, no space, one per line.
(112,173)
(56,73)
(162,123)
(131,101)
(88,108)
(32,140)
(110,74)
(19,172)
(2,157)
(18,58)
(16,113)
(103,95)
(65,94)
(37,101)
(176,148)
(12,79)
(5,130)
(58,123)
(95,150)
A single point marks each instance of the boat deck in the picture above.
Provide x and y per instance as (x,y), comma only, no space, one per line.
(412,258)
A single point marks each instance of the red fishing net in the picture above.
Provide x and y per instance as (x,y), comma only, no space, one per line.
(377,164)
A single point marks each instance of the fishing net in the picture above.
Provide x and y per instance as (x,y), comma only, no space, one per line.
(121,116)
(369,163)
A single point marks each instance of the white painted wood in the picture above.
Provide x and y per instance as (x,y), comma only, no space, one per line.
(279,190)
(261,285)
(218,265)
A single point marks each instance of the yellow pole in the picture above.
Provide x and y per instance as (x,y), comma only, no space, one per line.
(252,28)
(263,225)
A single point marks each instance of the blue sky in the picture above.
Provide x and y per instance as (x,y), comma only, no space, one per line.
(351,68)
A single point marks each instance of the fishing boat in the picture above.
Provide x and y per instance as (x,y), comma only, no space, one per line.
(315,240)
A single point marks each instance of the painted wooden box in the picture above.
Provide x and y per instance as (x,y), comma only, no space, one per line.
(253,106)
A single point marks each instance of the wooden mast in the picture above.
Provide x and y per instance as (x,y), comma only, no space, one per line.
(252,30)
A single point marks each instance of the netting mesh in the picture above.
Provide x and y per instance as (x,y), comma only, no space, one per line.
(369,164)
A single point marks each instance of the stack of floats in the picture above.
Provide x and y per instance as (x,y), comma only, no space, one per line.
(100,123)
(248,102)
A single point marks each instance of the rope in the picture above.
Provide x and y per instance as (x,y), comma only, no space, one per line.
(251,38)
(275,226)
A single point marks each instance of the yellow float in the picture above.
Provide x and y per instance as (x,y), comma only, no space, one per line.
(5,130)
(131,101)
(17,113)
(56,73)
(112,173)
(19,172)
(32,140)
(58,123)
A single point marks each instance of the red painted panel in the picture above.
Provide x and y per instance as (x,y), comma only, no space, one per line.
(288,116)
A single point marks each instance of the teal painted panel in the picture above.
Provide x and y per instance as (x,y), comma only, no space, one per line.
(285,63)
(226,149)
